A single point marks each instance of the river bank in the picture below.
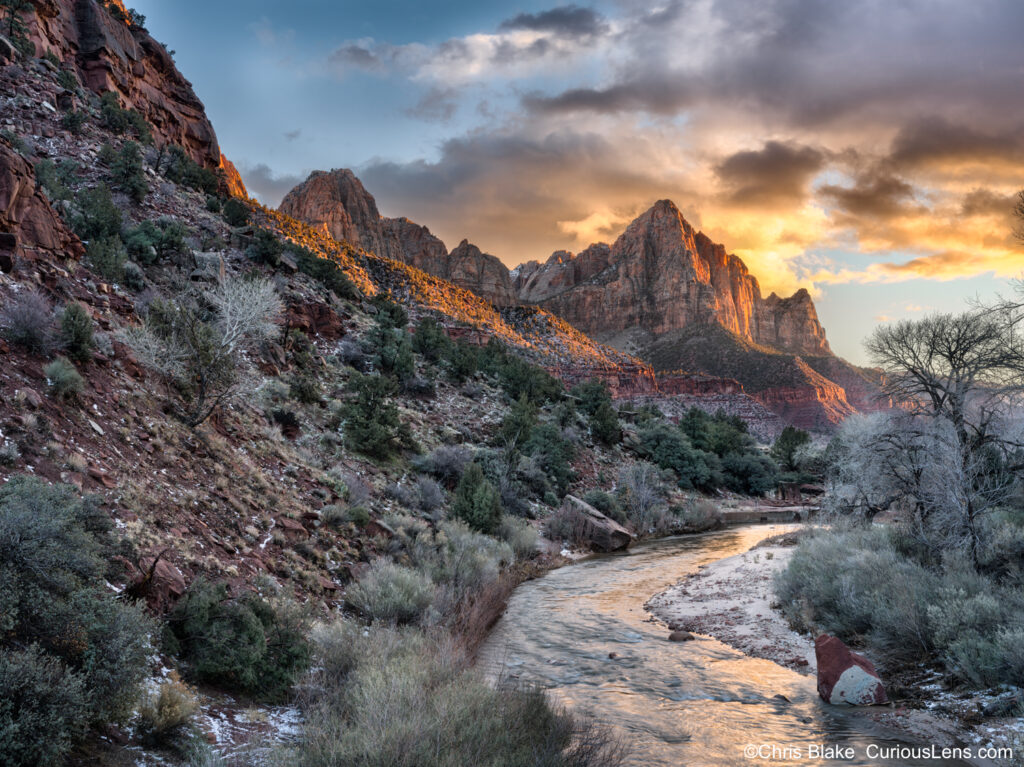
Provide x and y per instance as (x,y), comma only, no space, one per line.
(731,600)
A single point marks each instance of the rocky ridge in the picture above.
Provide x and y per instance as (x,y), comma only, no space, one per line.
(105,51)
(658,290)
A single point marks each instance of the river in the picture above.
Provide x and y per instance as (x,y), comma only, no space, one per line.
(692,703)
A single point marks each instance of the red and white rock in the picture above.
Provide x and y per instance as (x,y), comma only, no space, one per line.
(846,678)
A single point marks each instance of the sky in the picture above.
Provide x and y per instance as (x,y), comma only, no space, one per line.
(869,150)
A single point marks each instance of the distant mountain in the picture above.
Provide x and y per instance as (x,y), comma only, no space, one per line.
(662,291)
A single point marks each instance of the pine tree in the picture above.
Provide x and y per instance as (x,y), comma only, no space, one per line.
(477,502)
(604,424)
(372,425)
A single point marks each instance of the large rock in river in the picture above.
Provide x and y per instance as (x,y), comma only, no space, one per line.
(603,534)
(846,678)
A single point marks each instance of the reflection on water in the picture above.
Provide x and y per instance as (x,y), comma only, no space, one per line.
(691,703)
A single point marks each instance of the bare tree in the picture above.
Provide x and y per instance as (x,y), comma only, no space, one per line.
(1018,212)
(196,343)
(947,458)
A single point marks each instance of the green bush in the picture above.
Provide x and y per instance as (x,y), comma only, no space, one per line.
(669,448)
(107,257)
(44,708)
(392,593)
(324,271)
(518,377)
(476,501)
(76,332)
(248,642)
(553,453)
(129,173)
(750,473)
(53,179)
(371,422)
(119,120)
(63,379)
(463,360)
(153,241)
(178,167)
(789,441)
(518,423)
(606,503)
(265,248)
(604,425)
(236,212)
(54,553)
(430,340)
(97,216)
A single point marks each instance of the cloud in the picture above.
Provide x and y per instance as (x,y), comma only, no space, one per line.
(436,105)
(267,186)
(565,21)
(292,135)
(874,194)
(776,174)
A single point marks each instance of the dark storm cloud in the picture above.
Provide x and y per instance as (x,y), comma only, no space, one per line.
(778,173)
(812,63)
(984,202)
(356,55)
(940,141)
(656,96)
(265,185)
(875,194)
(565,21)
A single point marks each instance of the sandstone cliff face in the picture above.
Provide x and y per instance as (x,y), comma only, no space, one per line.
(338,202)
(109,54)
(29,228)
(661,276)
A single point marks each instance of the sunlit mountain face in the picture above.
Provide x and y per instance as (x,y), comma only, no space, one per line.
(870,152)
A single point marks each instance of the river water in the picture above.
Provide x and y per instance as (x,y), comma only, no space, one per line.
(691,703)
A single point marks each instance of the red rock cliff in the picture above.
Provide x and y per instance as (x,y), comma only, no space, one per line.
(109,53)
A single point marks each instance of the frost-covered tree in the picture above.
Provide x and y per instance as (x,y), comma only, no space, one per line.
(196,342)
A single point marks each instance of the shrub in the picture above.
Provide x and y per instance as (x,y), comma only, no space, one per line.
(568,524)
(392,593)
(430,340)
(167,710)
(54,554)
(197,355)
(27,320)
(394,697)
(462,361)
(97,215)
(63,379)
(750,473)
(669,448)
(128,172)
(518,423)
(152,241)
(119,120)
(325,271)
(43,709)
(50,179)
(236,212)
(520,535)
(698,516)
(553,452)
(604,425)
(372,425)
(107,256)
(68,80)
(476,501)
(642,494)
(265,249)
(606,504)
(248,643)
(447,463)
(76,332)
(183,170)
(788,442)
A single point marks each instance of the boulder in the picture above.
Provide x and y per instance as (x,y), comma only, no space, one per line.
(846,678)
(603,534)
(680,636)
